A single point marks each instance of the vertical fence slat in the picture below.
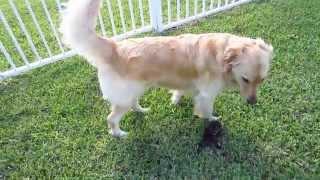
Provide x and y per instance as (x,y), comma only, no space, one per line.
(169,10)
(133,23)
(219,3)
(211,4)
(35,21)
(53,28)
(178,9)
(141,12)
(121,16)
(203,6)
(14,39)
(195,7)
(111,18)
(150,13)
(156,15)
(24,30)
(7,56)
(187,8)
(59,5)
(103,30)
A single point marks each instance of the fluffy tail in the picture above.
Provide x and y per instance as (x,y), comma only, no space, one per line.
(78,30)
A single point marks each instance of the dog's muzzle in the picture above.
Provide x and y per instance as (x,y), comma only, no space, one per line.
(252,100)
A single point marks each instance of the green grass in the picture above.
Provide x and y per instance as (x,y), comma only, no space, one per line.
(52,120)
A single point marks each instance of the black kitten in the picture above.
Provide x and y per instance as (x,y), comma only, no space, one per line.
(212,136)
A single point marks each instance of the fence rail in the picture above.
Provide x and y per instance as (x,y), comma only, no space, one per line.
(29,36)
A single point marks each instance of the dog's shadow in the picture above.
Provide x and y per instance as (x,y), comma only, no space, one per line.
(170,151)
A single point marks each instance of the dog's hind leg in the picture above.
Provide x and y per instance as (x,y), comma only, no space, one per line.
(114,119)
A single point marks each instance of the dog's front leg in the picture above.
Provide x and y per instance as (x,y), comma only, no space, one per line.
(204,100)
(203,107)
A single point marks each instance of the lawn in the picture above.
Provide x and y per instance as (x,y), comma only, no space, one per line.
(52,120)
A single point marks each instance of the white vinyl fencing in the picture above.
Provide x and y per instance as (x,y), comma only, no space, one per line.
(29,36)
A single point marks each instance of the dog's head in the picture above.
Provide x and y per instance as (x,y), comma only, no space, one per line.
(248,62)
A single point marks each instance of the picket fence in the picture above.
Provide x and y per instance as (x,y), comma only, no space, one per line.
(29,36)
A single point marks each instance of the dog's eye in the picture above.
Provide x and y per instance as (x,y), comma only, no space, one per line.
(245,80)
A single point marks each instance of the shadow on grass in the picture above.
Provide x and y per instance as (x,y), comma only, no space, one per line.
(170,151)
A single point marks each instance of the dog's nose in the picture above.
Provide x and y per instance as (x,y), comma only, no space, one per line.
(252,100)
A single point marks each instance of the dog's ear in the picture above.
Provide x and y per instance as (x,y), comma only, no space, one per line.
(231,55)
(265,46)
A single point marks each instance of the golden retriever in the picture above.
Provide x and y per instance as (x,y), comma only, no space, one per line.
(204,64)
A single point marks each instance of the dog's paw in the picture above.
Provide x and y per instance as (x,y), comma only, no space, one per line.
(175,100)
(118,134)
(214,118)
(176,97)
(141,109)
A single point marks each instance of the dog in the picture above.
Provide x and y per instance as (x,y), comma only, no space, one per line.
(204,64)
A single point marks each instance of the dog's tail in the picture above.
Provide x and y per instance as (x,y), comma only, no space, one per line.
(78,31)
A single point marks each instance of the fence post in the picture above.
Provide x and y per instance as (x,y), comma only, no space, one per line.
(156,15)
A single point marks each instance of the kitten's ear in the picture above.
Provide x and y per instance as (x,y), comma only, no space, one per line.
(231,55)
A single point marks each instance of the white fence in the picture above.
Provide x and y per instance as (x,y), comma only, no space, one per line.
(29,36)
